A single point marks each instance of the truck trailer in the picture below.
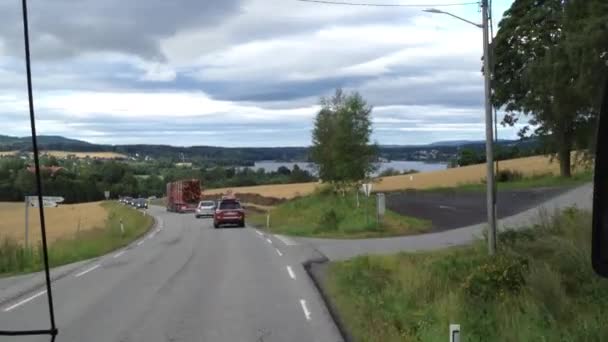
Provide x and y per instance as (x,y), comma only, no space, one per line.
(183,196)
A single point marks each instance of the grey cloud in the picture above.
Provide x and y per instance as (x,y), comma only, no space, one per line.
(63,28)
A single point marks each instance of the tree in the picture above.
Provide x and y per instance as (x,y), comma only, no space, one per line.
(283,170)
(341,140)
(549,59)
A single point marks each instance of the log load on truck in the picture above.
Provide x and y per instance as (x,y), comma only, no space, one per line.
(184,195)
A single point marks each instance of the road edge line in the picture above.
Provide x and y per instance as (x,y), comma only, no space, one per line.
(70,268)
(331,309)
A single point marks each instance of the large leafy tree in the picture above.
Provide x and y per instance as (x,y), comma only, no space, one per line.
(341,140)
(549,61)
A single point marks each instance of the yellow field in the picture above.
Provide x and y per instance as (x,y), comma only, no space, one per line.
(81,155)
(444,178)
(7,153)
(61,222)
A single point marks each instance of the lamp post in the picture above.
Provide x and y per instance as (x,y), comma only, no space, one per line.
(491,189)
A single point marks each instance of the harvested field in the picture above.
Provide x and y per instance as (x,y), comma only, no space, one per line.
(7,153)
(286,191)
(62,222)
(529,166)
(82,155)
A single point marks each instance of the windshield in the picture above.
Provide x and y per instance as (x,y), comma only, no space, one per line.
(300,170)
(229,205)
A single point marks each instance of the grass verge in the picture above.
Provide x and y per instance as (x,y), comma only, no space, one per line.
(540,287)
(324,214)
(536,181)
(16,259)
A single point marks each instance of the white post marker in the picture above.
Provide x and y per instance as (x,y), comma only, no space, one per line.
(267,221)
(122,227)
(454,332)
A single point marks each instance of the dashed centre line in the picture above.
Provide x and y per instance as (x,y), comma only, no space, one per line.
(260,234)
(140,242)
(305,309)
(278,252)
(18,304)
(117,255)
(268,240)
(87,270)
(291,274)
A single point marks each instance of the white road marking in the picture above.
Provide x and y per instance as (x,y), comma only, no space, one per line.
(87,270)
(260,234)
(279,252)
(446,207)
(151,236)
(117,255)
(290,271)
(140,242)
(305,309)
(268,240)
(287,241)
(7,309)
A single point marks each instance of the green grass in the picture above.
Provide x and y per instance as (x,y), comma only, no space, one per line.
(537,181)
(540,287)
(325,214)
(16,259)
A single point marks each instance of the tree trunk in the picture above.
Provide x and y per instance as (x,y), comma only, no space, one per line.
(564,160)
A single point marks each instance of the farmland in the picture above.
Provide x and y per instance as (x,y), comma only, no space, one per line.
(83,155)
(529,166)
(61,222)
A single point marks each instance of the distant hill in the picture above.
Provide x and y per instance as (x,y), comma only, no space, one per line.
(437,151)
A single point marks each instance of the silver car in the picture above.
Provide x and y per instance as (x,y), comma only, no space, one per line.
(205,209)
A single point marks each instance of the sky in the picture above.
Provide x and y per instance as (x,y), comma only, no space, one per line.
(240,72)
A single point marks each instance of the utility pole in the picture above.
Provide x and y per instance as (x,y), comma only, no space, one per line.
(491,190)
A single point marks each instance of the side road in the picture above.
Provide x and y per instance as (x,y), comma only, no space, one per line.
(337,249)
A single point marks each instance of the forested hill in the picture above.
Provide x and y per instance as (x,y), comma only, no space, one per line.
(441,151)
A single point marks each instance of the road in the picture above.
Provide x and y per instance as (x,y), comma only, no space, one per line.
(337,249)
(449,210)
(184,281)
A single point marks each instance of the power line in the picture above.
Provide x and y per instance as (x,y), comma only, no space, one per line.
(344,3)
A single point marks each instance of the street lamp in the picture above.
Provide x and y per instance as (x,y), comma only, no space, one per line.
(491,190)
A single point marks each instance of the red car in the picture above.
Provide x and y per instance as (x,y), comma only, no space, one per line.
(229,211)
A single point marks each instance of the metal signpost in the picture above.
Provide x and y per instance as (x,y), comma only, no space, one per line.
(106,194)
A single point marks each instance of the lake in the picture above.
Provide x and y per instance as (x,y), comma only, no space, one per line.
(400,165)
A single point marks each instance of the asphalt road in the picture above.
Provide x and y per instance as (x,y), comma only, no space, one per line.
(449,210)
(184,281)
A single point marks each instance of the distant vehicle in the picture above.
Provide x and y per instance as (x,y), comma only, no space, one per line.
(183,196)
(205,209)
(229,211)
(127,200)
(140,203)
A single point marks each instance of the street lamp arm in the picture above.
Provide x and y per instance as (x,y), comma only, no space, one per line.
(432,10)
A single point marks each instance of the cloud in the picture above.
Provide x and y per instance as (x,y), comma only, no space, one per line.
(203,72)
(64,28)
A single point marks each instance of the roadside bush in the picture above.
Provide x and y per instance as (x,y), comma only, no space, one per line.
(500,275)
(329,221)
(509,176)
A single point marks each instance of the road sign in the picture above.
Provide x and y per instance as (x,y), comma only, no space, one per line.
(57,199)
(106,194)
(366,188)
(47,201)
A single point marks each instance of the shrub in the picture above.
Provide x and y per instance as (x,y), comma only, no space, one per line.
(509,176)
(498,276)
(329,221)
